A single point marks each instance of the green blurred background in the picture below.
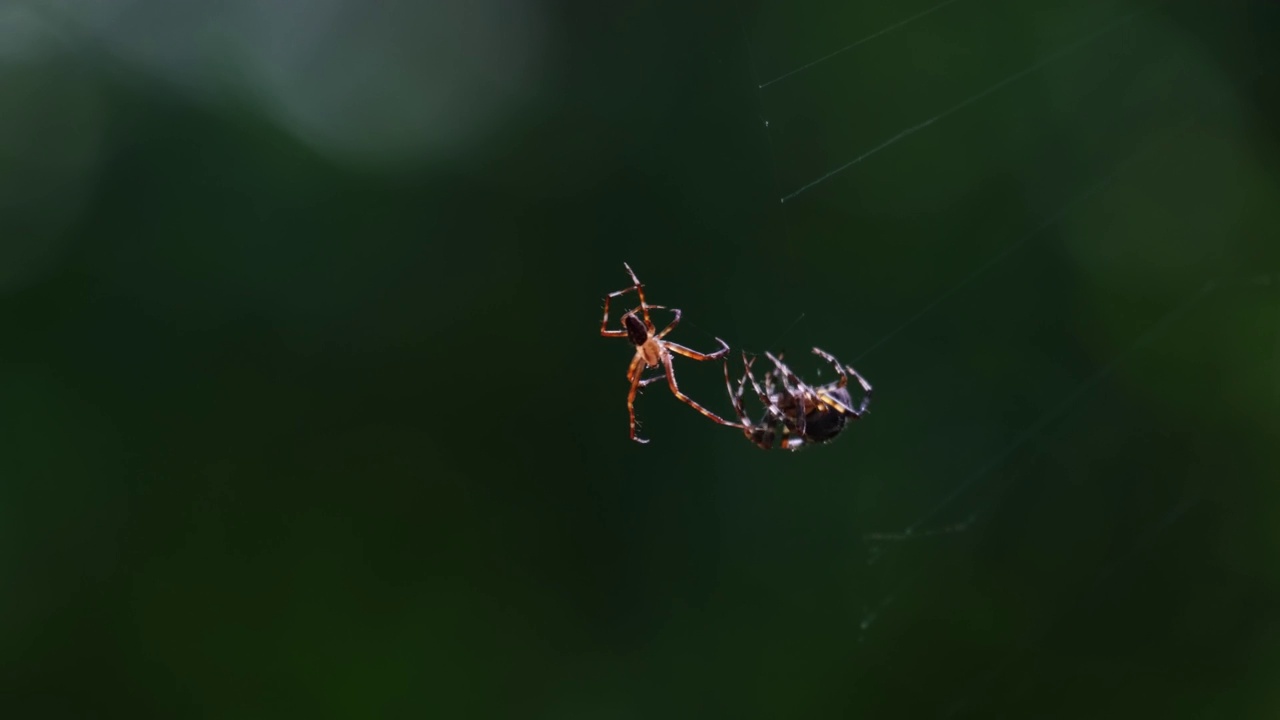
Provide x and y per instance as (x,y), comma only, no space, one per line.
(305,411)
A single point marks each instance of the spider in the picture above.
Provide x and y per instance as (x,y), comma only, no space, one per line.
(801,414)
(652,351)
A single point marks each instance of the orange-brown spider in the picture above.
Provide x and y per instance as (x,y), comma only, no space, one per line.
(652,351)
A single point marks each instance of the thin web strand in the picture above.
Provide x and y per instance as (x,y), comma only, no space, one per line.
(1054,219)
(992,262)
(768,134)
(913,532)
(1000,458)
(856,43)
(1068,50)
(1143,543)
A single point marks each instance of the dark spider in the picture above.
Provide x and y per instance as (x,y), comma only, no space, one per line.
(801,414)
(653,351)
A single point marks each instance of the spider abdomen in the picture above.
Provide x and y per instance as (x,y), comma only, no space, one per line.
(824,424)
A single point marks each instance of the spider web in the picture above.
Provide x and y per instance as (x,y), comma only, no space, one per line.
(1090,143)
(307,406)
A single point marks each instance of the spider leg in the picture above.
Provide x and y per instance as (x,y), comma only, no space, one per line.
(773,419)
(695,355)
(844,371)
(844,378)
(736,398)
(634,373)
(771,375)
(639,288)
(765,396)
(789,380)
(795,387)
(760,434)
(760,392)
(684,350)
(604,324)
(675,390)
(674,321)
(843,381)
(866,390)
(654,379)
(675,311)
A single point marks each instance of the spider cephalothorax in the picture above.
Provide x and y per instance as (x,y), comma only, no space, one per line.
(653,351)
(797,414)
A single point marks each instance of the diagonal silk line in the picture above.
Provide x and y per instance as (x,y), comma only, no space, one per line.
(1113,25)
